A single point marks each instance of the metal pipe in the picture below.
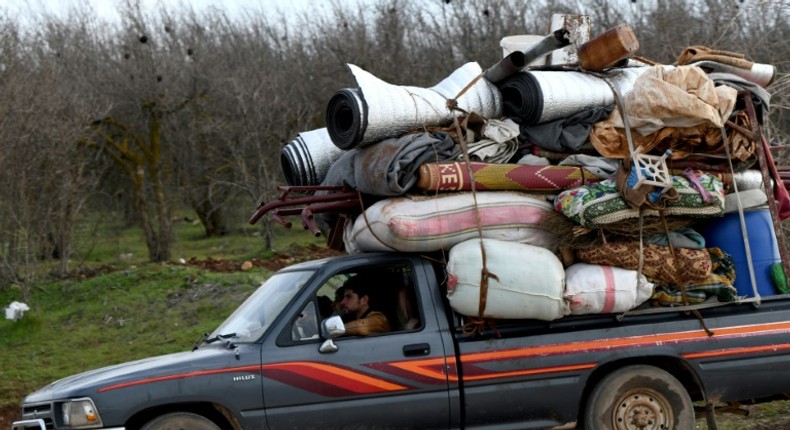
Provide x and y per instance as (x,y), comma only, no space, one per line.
(516,60)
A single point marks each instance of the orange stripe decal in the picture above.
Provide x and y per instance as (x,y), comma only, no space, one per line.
(635,341)
(533,371)
(737,351)
(336,376)
(433,368)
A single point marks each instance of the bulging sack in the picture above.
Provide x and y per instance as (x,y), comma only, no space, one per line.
(596,289)
(414,224)
(528,280)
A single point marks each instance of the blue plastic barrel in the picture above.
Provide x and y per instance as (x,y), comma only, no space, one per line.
(725,233)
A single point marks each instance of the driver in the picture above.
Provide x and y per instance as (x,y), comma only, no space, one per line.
(355,307)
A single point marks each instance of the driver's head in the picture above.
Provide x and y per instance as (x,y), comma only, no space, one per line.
(356,299)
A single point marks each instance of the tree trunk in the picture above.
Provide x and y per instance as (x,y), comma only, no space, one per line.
(212,218)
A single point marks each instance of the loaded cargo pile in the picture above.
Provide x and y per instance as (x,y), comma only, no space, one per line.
(573,177)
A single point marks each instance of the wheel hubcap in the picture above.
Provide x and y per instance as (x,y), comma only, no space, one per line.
(642,410)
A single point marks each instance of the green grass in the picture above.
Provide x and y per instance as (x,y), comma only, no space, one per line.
(104,243)
(134,310)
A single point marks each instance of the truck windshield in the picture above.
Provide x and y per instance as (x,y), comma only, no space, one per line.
(261,309)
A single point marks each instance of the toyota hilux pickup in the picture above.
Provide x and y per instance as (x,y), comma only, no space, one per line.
(282,361)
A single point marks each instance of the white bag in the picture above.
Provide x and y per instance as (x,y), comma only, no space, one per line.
(596,289)
(529,280)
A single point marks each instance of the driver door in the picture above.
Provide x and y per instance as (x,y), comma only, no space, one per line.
(393,380)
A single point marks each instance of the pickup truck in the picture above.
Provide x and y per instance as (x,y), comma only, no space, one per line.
(282,361)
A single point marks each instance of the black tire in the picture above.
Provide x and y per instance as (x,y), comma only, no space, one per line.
(639,397)
(180,421)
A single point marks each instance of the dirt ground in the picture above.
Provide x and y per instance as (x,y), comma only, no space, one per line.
(273,263)
(8,415)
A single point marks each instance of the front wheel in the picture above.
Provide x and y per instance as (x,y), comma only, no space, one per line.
(639,398)
(180,421)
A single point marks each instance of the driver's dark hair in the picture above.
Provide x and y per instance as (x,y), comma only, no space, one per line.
(359,286)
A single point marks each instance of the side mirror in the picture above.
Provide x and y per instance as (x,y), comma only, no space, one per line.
(331,328)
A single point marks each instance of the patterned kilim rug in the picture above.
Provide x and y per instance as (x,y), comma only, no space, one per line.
(515,177)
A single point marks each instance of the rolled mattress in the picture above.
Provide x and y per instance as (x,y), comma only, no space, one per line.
(528,281)
(307,159)
(377,110)
(535,97)
(425,224)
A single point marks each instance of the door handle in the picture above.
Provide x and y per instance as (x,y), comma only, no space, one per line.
(416,349)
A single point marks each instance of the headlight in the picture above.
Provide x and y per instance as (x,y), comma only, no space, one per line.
(80,413)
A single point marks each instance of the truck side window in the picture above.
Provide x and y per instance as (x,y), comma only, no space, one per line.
(391,291)
(305,327)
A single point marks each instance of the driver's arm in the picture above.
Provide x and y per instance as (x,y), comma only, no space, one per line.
(375,322)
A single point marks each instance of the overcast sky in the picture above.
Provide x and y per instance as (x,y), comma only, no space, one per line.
(106,9)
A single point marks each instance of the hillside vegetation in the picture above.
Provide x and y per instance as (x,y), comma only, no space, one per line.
(116,309)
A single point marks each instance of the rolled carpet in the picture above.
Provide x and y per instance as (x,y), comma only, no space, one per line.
(377,110)
(306,159)
(514,177)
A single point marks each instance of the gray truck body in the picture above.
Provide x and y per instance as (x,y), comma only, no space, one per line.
(428,373)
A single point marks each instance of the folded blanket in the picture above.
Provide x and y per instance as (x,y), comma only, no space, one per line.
(660,263)
(389,168)
(600,204)
(719,284)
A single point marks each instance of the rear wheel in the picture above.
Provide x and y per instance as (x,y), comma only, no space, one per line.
(639,398)
(180,421)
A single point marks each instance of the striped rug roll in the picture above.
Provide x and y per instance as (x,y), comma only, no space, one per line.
(513,177)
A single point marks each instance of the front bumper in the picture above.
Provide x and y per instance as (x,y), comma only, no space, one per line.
(40,424)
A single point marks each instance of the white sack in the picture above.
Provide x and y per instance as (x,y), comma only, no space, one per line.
(595,289)
(529,280)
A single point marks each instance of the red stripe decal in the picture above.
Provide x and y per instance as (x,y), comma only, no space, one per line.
(328,379)
(608,276)
(336,376)
(244,369)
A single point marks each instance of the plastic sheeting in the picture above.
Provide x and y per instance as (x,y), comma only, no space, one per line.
(676,108)
(16,310)
(377,110)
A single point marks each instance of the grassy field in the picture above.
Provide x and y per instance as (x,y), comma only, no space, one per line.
(116,307)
